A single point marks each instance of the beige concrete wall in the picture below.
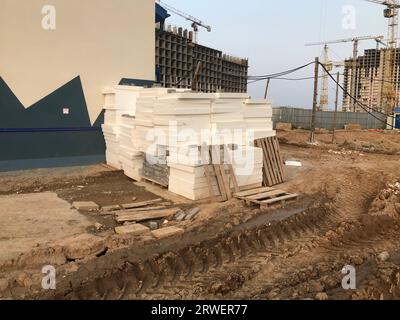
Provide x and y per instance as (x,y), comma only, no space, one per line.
(100,40)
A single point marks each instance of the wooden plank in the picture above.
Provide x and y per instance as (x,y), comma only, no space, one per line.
(265,195)
(125,212)
(273,159)
(253,192)
(209,183)
(269,162)
(144,216)
(225,179)
(233,177)
(276,161)
(222,167)
(267,179)
(213,153)
(276,158)
(232,181)
(280,158)
(249,187)
(141,204)
(283,198)
(221,184)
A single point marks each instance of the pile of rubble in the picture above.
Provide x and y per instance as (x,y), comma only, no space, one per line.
(153,217)
(387,202)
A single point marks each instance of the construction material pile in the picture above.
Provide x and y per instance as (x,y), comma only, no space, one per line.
(173,129)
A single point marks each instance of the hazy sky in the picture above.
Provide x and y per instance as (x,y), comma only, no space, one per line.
(272,35)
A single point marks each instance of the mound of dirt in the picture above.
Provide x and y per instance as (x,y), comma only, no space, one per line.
(387,202)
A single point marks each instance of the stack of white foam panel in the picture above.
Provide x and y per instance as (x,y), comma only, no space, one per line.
(190,182)
(145,136)
(119,101)
(184,118)
(178,124)
(130,157)
(227,119)
(258,118)
(247,163)
(110,128)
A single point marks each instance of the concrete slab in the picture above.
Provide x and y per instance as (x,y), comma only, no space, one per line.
(132,229)
(27,220)
(166,232)
(81,246)
(85,205)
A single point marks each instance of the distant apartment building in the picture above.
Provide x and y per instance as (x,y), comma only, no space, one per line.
(372,81)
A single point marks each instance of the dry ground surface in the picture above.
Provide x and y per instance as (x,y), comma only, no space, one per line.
(348,214)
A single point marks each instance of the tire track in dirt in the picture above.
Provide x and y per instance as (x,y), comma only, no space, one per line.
(191,265)
(243,263)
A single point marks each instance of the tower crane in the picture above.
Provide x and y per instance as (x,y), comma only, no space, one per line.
(391,12)
(324,100)
(196,23)
(389,93)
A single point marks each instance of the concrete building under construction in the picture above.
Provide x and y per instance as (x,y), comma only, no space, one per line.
(177,58)
(375,82)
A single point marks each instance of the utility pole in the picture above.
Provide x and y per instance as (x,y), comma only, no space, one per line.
(315,100)
(266,88)
(336,107)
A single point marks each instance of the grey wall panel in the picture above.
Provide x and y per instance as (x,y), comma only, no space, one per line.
(301,118)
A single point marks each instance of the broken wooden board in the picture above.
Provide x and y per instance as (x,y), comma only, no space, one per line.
(167,232)
(144,216)
(140,210)
(110,208)
(141,204)
(132,229)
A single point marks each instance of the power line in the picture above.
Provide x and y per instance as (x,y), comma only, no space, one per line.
(279,74)
(286,79)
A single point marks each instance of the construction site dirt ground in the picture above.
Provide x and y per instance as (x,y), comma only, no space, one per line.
(348,214)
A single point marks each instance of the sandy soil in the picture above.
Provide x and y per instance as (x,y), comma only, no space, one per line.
(31,220)
(348,215)
(387,142)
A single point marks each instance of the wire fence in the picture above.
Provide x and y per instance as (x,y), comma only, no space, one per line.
(301,118)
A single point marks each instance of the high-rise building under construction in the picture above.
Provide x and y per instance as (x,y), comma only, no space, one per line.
(375,83)
(178,57)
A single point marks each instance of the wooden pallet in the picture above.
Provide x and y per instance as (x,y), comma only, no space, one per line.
(155,183)
(157,174)
(266,197)
(273,169)
(223,173)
